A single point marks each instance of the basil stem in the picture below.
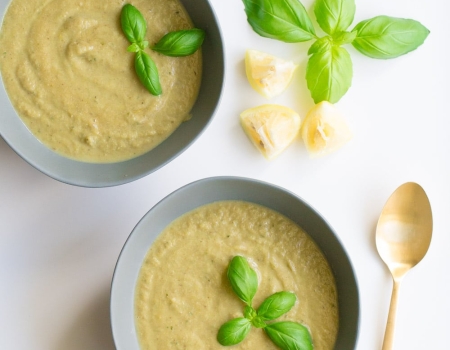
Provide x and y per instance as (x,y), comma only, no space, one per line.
(276,305)
(180,43)
(147,73)
(251,315)
(329,73)
(285,20)
(388,37)
(289,335)
(234,331)
(258,322)
(135,47)
(243,279)
(133,24)
(249,312)
(334,16)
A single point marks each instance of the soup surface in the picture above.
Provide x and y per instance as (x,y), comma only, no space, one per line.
(183,295)
(66,69)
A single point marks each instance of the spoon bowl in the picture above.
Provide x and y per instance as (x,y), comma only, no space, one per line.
(403,236)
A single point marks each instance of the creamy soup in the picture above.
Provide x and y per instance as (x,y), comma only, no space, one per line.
(66,69)
(183,295)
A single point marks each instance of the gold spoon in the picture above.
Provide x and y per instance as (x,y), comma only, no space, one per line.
(403,236)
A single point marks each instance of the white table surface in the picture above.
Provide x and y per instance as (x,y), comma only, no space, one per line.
(59,243)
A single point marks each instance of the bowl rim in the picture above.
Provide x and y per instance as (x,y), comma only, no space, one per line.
(95,175)
(211,189)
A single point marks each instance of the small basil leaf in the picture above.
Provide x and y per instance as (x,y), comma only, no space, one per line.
(258,322)
(234,331)
(334,15)
(133,24)
(180,43)
(243,279)
(276,305)
(320,45)
(147,73)
(285,20)
(249,312)
(289,335)
(388,37)
(342,38)
(329,74)
(134,47)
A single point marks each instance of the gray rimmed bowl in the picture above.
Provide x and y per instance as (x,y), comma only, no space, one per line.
(215,189)
(73,172)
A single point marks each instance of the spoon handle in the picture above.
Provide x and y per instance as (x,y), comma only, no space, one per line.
(388,341)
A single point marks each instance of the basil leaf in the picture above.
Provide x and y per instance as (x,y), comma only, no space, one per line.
(320,45)
(334,15)
(276,305)
(243,279)
(285,20)
(388,37)
(329,74)
(234,331)
(180,43)
(133,24)
(289,335)
(342,38)
(147,73)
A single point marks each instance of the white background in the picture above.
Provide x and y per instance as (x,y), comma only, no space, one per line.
(59,243)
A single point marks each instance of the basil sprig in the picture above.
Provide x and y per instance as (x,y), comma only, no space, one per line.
(177,44)
(287,335)
(329,70)
(180,43)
